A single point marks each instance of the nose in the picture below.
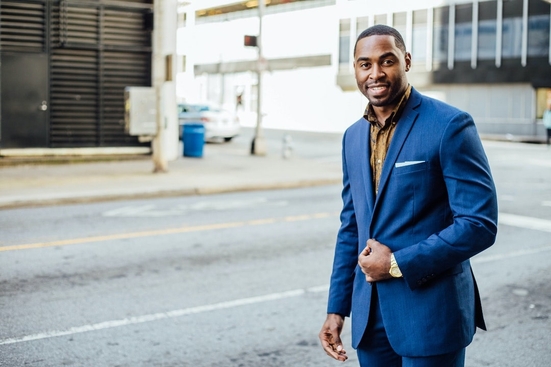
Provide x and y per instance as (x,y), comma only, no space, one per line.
(376,72)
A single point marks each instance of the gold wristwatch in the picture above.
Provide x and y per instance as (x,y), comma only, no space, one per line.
(394,269)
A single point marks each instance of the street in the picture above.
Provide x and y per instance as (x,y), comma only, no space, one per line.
(240,279)
(209,281)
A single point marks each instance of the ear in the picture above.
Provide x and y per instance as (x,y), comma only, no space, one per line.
(408,61)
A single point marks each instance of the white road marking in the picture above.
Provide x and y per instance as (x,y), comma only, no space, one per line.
(153,211)
(165,315)
(521,222)
(514,220)
(540,162)
(489,258)
(142,211)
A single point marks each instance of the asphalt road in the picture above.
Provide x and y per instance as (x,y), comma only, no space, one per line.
(241,279)
(223,280)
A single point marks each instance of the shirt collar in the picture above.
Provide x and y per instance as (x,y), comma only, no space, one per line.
(370,116)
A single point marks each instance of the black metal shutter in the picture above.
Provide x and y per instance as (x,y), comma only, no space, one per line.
(125,61)
(97,49)
(22,26)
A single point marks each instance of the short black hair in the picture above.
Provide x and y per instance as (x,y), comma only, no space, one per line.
(382,30)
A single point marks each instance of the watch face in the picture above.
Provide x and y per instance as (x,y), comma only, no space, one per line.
(395,272)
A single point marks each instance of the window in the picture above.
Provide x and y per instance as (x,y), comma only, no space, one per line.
(362,23)
(538,28)
(182,20)
(440,34)
(344,42)
(487,30)
(399,21)
(543,101)
(512,37)
(419,37)
(463,32)
(512,29)
(538,35)
(380,19)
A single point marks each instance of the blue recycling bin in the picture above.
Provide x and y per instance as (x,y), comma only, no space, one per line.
(193,137)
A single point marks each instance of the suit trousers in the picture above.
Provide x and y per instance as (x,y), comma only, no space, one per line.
(375,350)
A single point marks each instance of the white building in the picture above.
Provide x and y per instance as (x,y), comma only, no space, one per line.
(490,58)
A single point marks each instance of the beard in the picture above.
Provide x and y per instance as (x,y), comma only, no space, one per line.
(389,99)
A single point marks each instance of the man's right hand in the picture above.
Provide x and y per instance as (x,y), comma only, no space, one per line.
(330,337)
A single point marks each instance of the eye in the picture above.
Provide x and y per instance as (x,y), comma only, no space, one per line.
(388,62)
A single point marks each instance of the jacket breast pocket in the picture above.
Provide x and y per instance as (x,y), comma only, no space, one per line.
(402,168)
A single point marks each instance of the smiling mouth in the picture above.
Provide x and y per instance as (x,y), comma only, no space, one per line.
(376,89)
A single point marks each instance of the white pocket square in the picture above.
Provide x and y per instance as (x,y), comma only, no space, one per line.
(407,163)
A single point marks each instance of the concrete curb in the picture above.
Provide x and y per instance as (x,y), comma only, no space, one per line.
(69,200)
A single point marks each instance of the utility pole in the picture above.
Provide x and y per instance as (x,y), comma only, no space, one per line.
(258,146)
(164,45)
(159,160)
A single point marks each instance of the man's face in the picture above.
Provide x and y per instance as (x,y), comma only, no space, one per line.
(380,68)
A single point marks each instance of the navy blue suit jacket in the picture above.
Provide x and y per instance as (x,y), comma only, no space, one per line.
(436,208)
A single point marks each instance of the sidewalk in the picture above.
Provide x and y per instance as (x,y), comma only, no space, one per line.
(223,168)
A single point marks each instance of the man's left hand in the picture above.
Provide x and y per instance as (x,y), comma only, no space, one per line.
(374,261)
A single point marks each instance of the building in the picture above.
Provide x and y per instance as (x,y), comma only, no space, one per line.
(491,58)
(64,65)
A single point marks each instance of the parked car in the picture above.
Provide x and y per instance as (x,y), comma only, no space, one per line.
(220,124)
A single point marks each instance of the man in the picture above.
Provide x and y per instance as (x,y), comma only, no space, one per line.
(418,202)
(547,122)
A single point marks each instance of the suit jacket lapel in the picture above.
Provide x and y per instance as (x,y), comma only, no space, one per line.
(403,128)
(367,174)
